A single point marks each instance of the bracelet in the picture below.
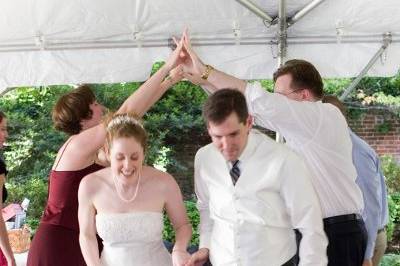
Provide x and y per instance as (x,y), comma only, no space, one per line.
(207,72)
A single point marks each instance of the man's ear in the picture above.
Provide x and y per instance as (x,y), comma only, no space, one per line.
(249,122)
(306,95)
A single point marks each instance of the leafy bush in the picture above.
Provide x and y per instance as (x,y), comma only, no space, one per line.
(35,189)
(390,260)
(194,219)
(391,170)
(394,213)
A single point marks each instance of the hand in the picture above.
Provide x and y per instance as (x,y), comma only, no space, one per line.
(177,56)
(198,258)
(180,257)
(367,263)
(191,62)
(175,75)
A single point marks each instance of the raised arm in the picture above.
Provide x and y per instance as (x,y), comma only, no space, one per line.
(152,90)
(139,103)
(87,224)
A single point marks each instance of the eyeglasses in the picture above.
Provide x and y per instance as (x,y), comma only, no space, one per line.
(287,94)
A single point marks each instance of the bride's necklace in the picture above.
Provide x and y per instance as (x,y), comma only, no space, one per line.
(136,190)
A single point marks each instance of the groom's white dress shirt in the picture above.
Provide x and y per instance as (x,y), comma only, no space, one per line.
(252,223)
(318,132)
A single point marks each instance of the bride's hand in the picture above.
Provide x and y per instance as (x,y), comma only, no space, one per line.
(180,257)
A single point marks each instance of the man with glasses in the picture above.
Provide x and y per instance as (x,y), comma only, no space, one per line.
(295,110)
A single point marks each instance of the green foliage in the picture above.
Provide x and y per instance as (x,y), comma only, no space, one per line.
(336,86)
(32,143)
(35,189)
(394,214)
(194,219)
(383,127)
(391,170)
(390,260)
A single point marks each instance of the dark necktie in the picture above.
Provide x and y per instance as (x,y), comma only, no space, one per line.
(235,172)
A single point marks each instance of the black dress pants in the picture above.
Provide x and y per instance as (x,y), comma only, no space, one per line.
(347,240)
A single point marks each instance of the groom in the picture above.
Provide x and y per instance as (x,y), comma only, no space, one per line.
(251,193)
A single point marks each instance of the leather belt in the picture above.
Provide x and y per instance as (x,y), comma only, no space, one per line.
(342,218)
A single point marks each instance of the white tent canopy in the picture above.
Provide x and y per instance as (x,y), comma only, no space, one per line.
(44,42)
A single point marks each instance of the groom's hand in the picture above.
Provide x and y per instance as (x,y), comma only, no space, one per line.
(198,258)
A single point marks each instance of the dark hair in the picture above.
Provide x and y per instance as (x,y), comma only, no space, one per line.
(125,125)
(72,108)
(304,75)
(332,99)
(2,116)
(222,103)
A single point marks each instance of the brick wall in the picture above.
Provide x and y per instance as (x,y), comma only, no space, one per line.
(380,129)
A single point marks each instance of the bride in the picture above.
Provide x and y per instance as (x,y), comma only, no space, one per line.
(124,204)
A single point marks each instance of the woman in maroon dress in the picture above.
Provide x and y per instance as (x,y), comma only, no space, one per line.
(6,254)
(56,242)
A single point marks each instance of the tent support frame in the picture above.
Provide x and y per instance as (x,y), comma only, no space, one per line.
(267,19)
(387,39)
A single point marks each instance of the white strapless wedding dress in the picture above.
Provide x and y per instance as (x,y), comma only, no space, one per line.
(132,239)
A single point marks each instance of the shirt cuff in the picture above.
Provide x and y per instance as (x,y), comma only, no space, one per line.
(204,240)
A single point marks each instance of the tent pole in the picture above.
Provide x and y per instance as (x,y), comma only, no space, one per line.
(301,13)
(282,43)
(257,10)
(387,39)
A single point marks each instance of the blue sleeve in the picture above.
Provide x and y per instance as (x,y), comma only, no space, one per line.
(369,182)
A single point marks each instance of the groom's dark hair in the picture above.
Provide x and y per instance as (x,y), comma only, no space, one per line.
(222,103)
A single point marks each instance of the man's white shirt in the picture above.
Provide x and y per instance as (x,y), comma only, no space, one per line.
(252,222)
(319,133)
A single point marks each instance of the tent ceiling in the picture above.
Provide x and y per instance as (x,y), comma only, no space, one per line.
(59,42)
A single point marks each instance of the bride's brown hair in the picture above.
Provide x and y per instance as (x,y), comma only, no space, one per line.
(125,126)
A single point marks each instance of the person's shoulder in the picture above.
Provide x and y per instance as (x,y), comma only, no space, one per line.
(159,178)
(361,147)
(266,144)
(205,151)
(92,182)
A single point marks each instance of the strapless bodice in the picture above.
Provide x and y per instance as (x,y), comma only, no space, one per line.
(132,239)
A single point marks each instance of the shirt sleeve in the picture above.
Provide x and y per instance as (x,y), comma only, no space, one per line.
(304,210)
(293,119)
(369,183)
(201,190)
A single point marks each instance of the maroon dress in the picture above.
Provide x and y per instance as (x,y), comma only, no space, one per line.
(56,241)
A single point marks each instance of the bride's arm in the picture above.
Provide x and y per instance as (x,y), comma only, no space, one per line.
(177,214)
(87,224)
